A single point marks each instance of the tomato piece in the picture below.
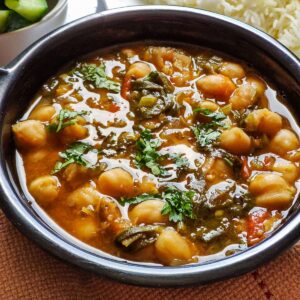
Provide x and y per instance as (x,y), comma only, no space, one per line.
(255,226)
(113,107)
(246,171)
(126,87)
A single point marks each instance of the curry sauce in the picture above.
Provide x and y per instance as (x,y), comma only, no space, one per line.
(161,154)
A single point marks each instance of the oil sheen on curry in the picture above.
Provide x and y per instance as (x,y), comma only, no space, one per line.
(161,154)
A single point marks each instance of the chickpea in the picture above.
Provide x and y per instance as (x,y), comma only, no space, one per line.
(263,121)
(219,171)
(128,52)
(284,141)
(232,70)
(43,113)
(85,228)
(243,97)
(110,216)
(44,189)
(30,133)
(158,56)
(218,86)
(108,210)
(148,212)
(180,79)
(37,156)
(138,70)
(63,89)
(209,105)
(181,61)
(289,171)
(258,85)
(116,183)
(271,191)
(171,248)
(147,186)
(74,172)
(74,132)
(83,197)
(236,141)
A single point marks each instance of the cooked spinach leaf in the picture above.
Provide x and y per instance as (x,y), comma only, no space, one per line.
(136,238)
(96,75)
(157,87)
(209,63)
(162,80)
(73,155)
(232,160)
(65,118)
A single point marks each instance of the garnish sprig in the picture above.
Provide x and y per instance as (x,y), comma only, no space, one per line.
(97,76)
(74,154)
(65,118)
(178,204)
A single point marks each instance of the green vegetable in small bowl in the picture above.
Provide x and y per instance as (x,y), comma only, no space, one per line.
(15,14)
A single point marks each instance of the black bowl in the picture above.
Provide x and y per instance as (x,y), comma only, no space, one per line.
(24,76)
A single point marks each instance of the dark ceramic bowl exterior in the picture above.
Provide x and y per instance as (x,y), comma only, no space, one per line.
(22,78)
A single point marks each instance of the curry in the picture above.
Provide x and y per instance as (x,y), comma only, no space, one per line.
(168,155)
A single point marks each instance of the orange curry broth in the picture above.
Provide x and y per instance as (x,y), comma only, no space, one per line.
(227,218)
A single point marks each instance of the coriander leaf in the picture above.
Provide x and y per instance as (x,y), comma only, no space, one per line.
(65,118)
(214,115)
(179,204)
(208,133)
(73,155)
(205,135)
(147,156)
(138,199)
(96,74)
(180,160)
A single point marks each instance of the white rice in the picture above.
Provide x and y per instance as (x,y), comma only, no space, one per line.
(279,18)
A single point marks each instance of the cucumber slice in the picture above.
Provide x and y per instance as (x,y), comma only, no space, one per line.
(4,16)
(32,10)
(2,6)
(15,22)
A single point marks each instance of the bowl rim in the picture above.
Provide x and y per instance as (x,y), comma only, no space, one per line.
(60,5)
(130,272)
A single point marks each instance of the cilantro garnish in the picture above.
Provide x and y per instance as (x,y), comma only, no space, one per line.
(180,160)
(147,155)
(178,204)
(97,76)
(208,133)
(213,115)
(73,155)
(65,118)
(138,199)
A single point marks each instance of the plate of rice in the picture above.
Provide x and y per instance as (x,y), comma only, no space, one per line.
(279,18)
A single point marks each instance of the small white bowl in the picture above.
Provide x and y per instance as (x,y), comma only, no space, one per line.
(14,42)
